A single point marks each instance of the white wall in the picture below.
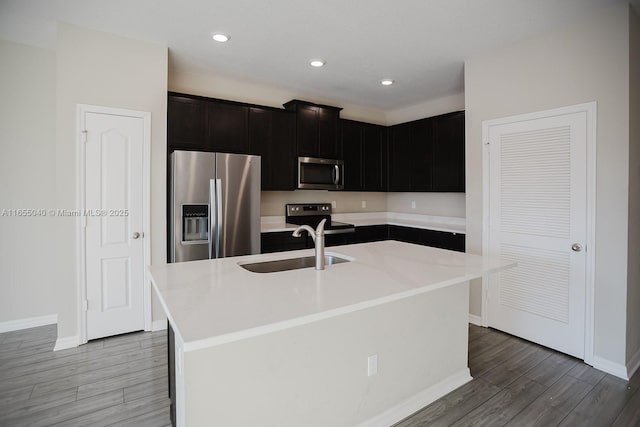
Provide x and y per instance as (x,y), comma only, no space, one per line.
(581,62)
(633,283)
(102,69)
(216,86)
(432,107)
(440,204)
(27,173)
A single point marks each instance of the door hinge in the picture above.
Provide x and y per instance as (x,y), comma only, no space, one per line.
(84,135)
(85,305)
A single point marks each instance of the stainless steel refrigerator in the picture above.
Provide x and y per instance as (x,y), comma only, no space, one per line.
(215,205)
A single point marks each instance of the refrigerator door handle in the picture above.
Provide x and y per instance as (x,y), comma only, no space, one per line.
(218,235)
(212,220)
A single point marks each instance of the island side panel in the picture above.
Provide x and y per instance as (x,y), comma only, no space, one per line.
(316,374)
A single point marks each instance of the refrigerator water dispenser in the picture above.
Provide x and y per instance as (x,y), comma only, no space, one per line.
(195,223)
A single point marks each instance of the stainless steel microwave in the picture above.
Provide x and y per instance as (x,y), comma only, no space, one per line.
(320,174)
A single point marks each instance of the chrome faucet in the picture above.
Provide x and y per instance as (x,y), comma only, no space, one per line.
(318,239)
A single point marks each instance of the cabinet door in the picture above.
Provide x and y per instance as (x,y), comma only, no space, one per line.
(406,234)
(373,174)
(186,123)
(399,158)
(260,141)
(282,159)
(228,127)
(421,155)
(271,136)
(307,131)
(338,239)
(283,241)
(351,142)
(371,233)
(448,152)
(327,133)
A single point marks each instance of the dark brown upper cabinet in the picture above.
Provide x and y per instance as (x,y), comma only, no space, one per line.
(271,136)
(186,123)
(427,154)
(448,153)
(228,126)
(400,157)
(316,129)
(423,155)
(199,123)
(362,147)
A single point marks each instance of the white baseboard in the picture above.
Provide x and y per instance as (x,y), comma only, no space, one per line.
(32,322)
(67,342)
(475,320)
(419,401)
(615,369)
(633,364)
(159,325)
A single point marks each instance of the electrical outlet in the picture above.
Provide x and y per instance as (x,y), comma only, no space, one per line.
(334,204)
(372,365)
(413,204)
(364,204)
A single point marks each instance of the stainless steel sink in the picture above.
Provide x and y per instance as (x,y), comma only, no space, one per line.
(290,264)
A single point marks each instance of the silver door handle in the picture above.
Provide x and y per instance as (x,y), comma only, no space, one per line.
(136,235)
(576,247)
(336,180)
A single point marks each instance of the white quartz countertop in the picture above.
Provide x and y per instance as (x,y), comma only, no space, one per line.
(429,222)
(212,302)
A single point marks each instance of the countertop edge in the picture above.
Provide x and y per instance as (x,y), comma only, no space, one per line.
(274,224)
(303,320)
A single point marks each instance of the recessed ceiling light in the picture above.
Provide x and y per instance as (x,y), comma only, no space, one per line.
(387,82)
(219,37)
(317,62)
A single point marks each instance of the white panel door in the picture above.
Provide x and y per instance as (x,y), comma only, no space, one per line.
(114,212)
(537,217)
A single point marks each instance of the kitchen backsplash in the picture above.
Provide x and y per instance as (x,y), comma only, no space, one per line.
(439,204)
(273,202)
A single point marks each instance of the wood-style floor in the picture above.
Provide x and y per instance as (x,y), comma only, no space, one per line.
(113,381)
(518,383)
(123,381)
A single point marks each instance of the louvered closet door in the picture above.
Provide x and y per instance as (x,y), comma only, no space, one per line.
(537,213)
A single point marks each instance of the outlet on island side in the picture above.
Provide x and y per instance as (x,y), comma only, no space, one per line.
(372,365)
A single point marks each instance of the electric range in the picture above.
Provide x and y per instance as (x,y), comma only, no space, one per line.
(312,213)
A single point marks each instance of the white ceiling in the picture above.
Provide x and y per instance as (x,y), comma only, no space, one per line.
(421,44)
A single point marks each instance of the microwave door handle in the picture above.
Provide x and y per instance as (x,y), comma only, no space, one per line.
(336,180)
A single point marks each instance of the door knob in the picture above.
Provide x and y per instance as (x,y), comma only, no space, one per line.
(137,235)
(576,247)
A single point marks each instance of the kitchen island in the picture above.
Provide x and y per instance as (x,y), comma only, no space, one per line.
(362,342)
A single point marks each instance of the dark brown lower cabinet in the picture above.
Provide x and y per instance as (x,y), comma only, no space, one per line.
(434,238)
(284,241)
(371,233)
